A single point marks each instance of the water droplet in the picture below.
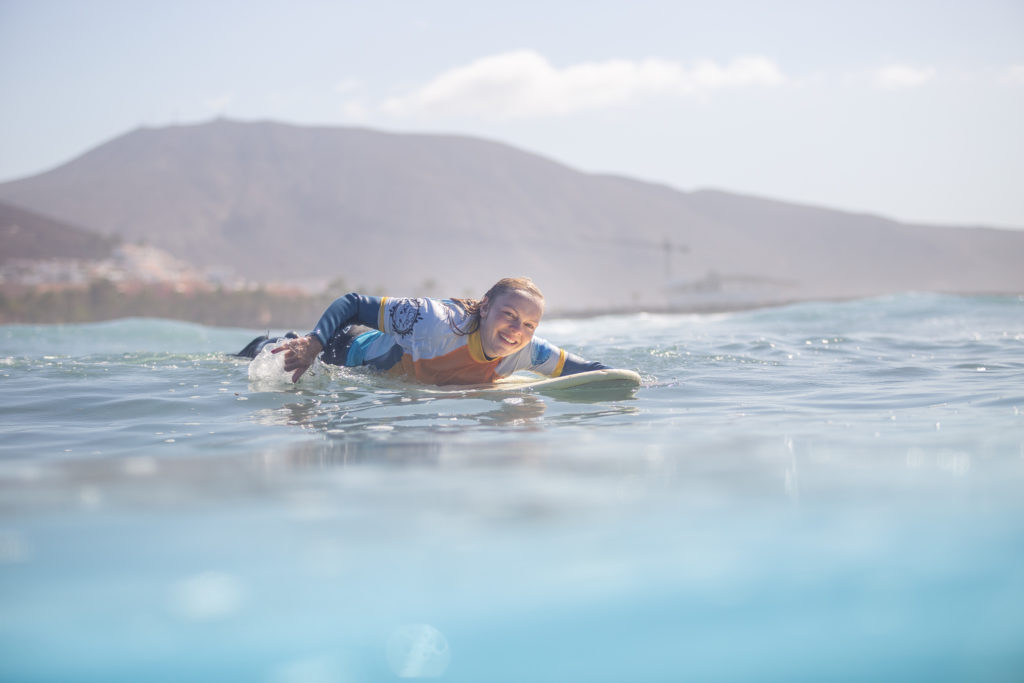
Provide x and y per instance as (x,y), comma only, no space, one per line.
(13,548)
(418,651)
(205,596)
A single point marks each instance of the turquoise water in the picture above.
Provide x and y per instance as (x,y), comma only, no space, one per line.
(806,493)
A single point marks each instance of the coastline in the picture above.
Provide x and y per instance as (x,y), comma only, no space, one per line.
(710,308)
(267,307)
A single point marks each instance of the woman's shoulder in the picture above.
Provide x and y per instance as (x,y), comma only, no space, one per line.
(541,350)
(405,315)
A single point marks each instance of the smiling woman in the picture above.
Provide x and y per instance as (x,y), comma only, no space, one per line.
(435,341)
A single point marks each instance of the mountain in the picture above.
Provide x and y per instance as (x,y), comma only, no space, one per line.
(447,215)
(28,235)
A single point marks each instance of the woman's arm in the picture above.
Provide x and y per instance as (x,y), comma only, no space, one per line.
(574,365)
(548,359)
(347,310)
(352,308)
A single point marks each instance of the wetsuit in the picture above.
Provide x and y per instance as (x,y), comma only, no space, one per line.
(429,340)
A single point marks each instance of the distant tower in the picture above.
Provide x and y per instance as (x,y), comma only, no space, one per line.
(667,246)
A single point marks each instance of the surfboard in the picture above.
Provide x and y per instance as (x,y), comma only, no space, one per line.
(595,380)
(267,370)
(583,387)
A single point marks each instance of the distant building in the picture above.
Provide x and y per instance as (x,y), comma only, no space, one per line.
(715,290)
(130,266)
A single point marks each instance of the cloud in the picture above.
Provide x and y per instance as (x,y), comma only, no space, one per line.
(525,84)
(900,76)
(219,103)
(348,85)
(356,110)
(354,106)
(1015,75)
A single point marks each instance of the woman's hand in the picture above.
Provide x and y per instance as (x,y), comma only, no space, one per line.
(299,354)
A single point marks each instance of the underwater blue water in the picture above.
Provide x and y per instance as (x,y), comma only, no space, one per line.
(812,492)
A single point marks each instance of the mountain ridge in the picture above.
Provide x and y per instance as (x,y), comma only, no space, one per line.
(410,213)
(29,235)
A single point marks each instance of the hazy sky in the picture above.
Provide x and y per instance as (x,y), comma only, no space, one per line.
(911,109)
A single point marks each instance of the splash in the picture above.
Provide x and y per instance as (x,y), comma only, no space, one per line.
(266,371)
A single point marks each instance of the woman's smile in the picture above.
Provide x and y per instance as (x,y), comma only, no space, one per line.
(508,323)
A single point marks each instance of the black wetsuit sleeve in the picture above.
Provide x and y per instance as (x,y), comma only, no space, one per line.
(575,365)
(350,309)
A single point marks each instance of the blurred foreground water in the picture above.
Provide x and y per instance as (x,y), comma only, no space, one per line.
(813,492)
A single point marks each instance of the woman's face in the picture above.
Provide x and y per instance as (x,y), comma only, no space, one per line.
(507,324)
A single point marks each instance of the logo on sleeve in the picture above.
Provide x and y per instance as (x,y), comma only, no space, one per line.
(404,315)
(542,350)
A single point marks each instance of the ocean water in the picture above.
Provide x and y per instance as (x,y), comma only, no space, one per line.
(815,492)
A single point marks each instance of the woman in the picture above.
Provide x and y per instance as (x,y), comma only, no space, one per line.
(451,341)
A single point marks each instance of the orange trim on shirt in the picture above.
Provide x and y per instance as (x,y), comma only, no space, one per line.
(455,367)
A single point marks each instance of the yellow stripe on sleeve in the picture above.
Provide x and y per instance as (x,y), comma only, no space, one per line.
(380,314)
(561,363)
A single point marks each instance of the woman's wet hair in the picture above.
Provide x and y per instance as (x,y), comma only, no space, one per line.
(507,285)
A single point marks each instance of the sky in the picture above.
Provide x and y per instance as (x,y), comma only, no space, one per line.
(910,109)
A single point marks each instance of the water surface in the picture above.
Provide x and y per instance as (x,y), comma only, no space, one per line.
(812,492)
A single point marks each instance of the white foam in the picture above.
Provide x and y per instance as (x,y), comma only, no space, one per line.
(267,369)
